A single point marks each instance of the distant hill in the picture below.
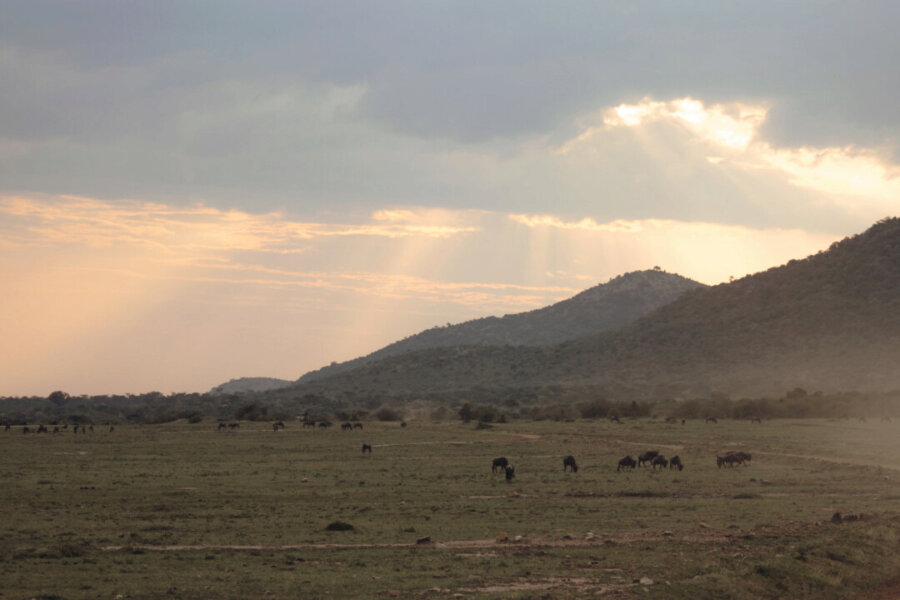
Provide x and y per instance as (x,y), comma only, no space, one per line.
(250,384)
(600,308)
(829,322)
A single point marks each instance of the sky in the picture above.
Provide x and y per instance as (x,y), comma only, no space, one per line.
(194,191)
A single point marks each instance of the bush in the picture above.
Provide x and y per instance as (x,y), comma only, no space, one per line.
(388,414)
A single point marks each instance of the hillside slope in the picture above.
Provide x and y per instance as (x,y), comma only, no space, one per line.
(828,322)
(600,308)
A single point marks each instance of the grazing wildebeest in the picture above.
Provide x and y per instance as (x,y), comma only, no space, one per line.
(730,459)
(25,429)
(499,463)
(568,462)
(510,473)
(646,457)
(367,448)
(346,426)
(309,423)
(324,423)
(626,463)
(277,425)
(756,420)
(659,461)
(712,420)
(222,427)
(42,429)
(357,426)
(740,457)
(675,463)
(233,426)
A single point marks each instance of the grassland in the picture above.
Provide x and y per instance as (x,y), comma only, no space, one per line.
(184,511)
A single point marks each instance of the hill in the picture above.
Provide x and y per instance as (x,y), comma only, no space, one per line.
(828,322)
(600,308)
(250,384)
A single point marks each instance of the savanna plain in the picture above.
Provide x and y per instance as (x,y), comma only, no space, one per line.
(187,511)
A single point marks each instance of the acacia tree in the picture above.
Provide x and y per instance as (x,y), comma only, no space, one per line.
(58,398)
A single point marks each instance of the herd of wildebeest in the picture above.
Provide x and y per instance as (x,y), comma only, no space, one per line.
(651,458)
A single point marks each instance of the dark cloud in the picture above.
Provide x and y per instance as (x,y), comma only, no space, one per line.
(167,84)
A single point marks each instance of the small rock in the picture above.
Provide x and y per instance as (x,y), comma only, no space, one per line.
(589,535)
(518,538)
(704,525)
(502,538)
(646,581)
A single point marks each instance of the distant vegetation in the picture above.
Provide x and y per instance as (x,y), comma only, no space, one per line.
(155,408)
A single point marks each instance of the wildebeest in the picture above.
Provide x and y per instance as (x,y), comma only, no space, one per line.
(75,429)
(42,429)
(324,423)
(646,457)
(111,428)
(367,448)
(756,420)
(659,461)
(346,426)
(233,426)
(222,427)
(309,423)
(510,473)
(626,463)
(277,425)
(569,462)
(671,420)
(675,463)
(712,420)
(499,463)
(56,430)
(91,427)
(357,426)
(732,458)
(7,427)
(614,419)
(25,429)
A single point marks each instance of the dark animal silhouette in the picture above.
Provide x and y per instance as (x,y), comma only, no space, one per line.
(659,461)
(357,426)
(56,430)
(222,427)
(346,426)
(712,420)
(277,425)
(510,473)
(675,463)
(569,462)
(42,429)
(646,457)
(756,420)
(367,448)
(75,429)
(233,426)
(324,423)
(614,419)
(7,427)
(111,428)
(626,463)
(91,427)
(671,420)
(25,429)
(309,423)
(683,421)
(499,463)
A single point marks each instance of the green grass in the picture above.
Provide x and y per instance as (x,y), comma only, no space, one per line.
(184,511)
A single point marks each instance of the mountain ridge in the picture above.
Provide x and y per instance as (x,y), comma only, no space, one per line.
(830,321)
